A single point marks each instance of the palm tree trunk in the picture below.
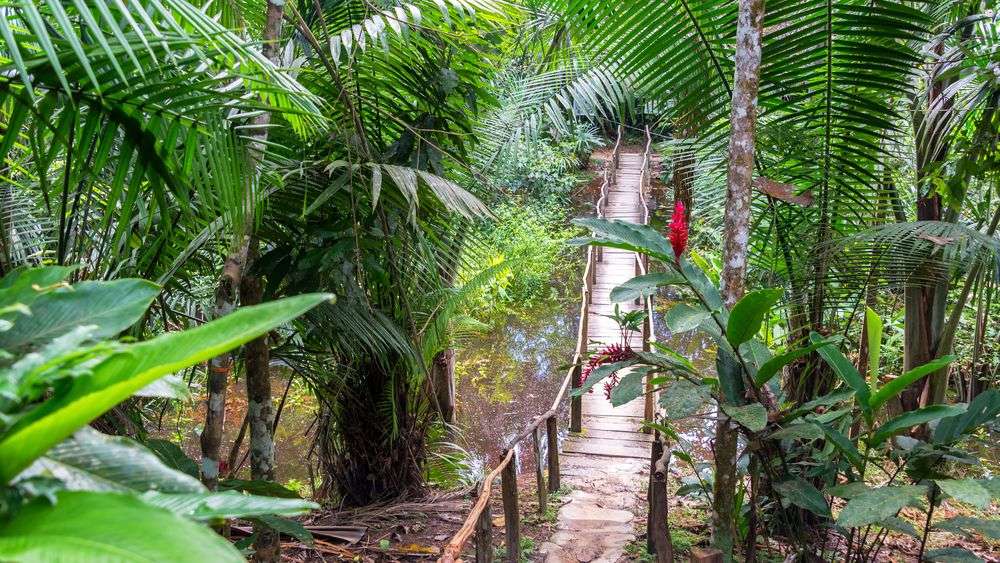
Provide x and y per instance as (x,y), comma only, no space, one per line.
(260,408)
(219,368)
(737,235)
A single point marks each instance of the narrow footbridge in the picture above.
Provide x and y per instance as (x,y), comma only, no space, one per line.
(606,456)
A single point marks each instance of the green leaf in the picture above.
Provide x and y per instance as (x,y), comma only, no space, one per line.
(984,408)
(110,306)
(229,504)
(913,418)
(286,526)
(845,369)
(848,490)
(91,461)
(631,386)
(752,416)
(896,385)
(20,285)
(683,317)
(844,444)
(951,555)
(876,505)
(85,526)
(771,367)
(748,314)
(967,525)
(801,430)
(258,487)
(873,327)
(836,396)
(965,490)
(897,524)
(616,233)
(803,494)
(730,373)
(683,398)
(644,286)
(117,377)
(173,456)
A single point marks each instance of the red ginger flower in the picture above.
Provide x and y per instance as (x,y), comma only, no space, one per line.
(608,355)
(678,230)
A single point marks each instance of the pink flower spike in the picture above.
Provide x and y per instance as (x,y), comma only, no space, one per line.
(678,230)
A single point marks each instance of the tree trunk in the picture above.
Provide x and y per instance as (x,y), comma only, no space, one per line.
(219,369)
(443,381)
(737,235)
(260,409)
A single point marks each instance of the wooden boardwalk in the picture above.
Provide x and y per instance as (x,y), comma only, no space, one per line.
(607,464)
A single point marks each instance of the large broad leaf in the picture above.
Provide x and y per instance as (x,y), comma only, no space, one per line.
(771,367)
(748,314)
(599,373)
(682,398)
(26,285)
(984,408)
(896,386)
(257,487)
(286,526)
(630,387)
(798,431)
(845,369)
(803,494)
(848,490)
(913,418)
(967,525)
(752,416)
(91,461)
(875,505)
(644,286)
(704,287)
(730,373)
(84,526)
(683,317)
(173,456)
(117,377)
(965,490)
(110,306)
(230,504)
(627,235)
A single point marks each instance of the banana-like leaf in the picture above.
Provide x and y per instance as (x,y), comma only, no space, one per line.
(87,526)
(229,504)
(846,370)
(896,385)
(136,366)
(748,314)
(91,461)
(644,286)
(913,418)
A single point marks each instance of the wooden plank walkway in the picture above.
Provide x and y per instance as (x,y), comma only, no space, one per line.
(606,465)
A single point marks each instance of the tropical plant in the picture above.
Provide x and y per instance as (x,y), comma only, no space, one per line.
(71,492)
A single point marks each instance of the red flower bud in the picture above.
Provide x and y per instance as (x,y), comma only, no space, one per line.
(678,230)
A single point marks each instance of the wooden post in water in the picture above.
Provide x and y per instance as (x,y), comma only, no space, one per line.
(552,433)
(543,494)
(511,516)
(484,536)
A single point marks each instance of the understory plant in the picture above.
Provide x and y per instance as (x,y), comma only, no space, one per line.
(70,492)
(844,451)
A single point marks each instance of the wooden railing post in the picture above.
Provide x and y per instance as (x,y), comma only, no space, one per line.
(552,434)
(658,529)
(484,536)
(576,401)
(543,494)
(511,515)
(647,332)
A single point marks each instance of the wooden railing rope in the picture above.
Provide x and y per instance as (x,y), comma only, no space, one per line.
(478,521)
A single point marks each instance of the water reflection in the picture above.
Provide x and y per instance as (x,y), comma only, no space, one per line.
(506,377)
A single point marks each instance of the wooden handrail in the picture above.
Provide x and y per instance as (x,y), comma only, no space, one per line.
(454,547)
(453,550)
